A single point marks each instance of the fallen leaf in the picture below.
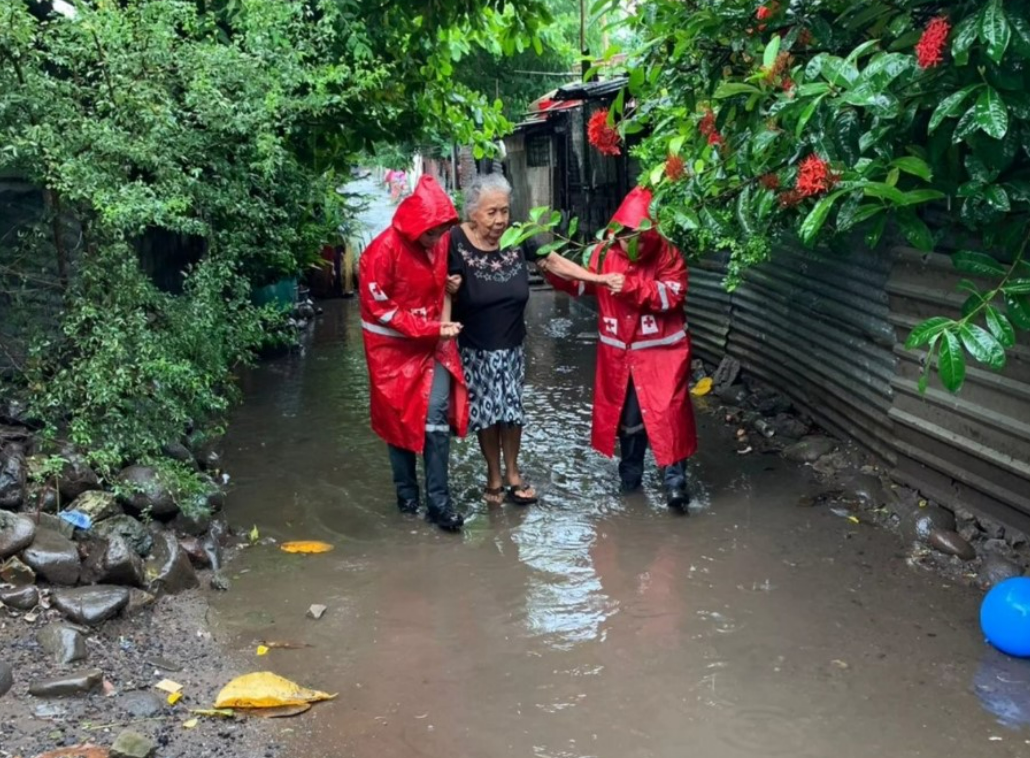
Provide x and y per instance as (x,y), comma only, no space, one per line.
(190,723)
(262,650)
(167,685)
(702,388)
(266,690)
(255,535)
(222,712)
(306,546)
(280,712)
(79,751)
(174,698)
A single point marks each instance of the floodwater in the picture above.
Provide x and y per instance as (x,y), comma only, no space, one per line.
(593,625)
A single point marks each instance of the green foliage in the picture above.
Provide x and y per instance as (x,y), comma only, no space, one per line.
(820,118)
(229,122)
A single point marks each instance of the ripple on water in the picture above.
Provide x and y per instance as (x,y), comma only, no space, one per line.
(763,731)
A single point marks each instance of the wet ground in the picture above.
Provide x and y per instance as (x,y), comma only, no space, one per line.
(592,625)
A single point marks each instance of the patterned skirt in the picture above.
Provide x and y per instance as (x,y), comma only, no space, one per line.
(495,379)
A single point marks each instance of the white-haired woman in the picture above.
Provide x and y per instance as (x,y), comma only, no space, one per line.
(490,290)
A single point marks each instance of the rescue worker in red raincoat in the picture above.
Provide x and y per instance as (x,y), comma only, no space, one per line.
(641,392)
(418,394)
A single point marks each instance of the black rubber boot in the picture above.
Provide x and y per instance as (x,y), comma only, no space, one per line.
(407,505)
(632,448)
(438,494)
(677,493)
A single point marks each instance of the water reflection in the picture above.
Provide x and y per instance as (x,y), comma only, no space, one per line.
(1003,686)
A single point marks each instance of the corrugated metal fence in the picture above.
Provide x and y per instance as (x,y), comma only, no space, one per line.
(826,330)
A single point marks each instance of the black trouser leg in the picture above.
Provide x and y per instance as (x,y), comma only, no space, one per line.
(437,453)
(632,442)
(405,478)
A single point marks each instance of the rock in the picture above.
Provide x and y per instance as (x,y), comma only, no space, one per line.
(130,529)
(141,705)
(810,449)
(16,533)
(773,406)
(54,557)
(950,543)
(168,568)
(56,524)
(148,494)
(49,711)
(113,561)
(220,582)
(867,489)
(80,683)
(922,521)
(15,411)
(13,476)
(213,550)
(193,547)
(6,678)
(45,498)
(970,531)
(17,573)
(76,477)
(62,643)
(997,568)
(995,531)
(90,605)
(179,452)
(734,394)
(727,373)
(139,601)
(197,522)
(316,611)
(131,744)
(20,598)
(97,504)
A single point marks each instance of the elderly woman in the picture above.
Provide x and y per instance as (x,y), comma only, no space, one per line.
(491,287)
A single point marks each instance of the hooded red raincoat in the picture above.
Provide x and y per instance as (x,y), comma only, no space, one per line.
(401,294)
(642,337)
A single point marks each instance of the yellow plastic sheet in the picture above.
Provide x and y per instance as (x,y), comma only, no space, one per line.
(306,547)
(703,387)
(266,690)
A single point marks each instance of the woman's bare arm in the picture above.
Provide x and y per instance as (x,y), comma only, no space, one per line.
(566,269)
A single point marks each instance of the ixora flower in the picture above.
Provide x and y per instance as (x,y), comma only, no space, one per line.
(602,135)
(763,12)
(769,181)
(707,128)
(790,198)
(930,48)
(674,168)
(814,176)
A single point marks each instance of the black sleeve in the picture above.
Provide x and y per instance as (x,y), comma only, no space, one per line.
(455,263)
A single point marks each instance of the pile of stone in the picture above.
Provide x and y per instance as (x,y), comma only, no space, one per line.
(967,546)
(117,553)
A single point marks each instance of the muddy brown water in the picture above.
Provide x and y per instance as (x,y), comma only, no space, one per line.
(593,625)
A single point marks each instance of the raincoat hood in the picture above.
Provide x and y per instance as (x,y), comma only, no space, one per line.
(635,208)
(427,208)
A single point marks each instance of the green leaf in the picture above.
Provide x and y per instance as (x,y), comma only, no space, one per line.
(731,89)
(636,80)
(997,197)
(619,105)
(951,364)
(864,213)
(950,106)
(1021,35)
(922,333)
(972,262)
(817,217)
(573,227)
(885,191)
(1017,286)
(915,166)
(995,30)
(771,51)
(991,114)
(915,230)
(657,174)
(963,37)
(982,345)
(676,144)
(873,236)
(1018,308)
(806,115)
(915,197)
(1000,327)
(972,303)
(510,236)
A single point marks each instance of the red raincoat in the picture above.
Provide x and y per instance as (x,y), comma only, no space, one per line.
(401,295)
(642,336)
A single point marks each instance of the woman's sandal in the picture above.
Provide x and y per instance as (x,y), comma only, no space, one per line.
(493,495)
(517,499)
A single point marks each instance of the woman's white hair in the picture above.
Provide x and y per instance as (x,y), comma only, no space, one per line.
(484,184)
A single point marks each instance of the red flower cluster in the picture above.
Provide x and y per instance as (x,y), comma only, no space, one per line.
(674,168)
(707,128)
(790,198)
(763,12)
(787,84)
(930,48)
(805,37)
(814,176)
(604,137)
(769,181)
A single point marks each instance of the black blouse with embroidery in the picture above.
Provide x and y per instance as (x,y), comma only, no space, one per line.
(491,304)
